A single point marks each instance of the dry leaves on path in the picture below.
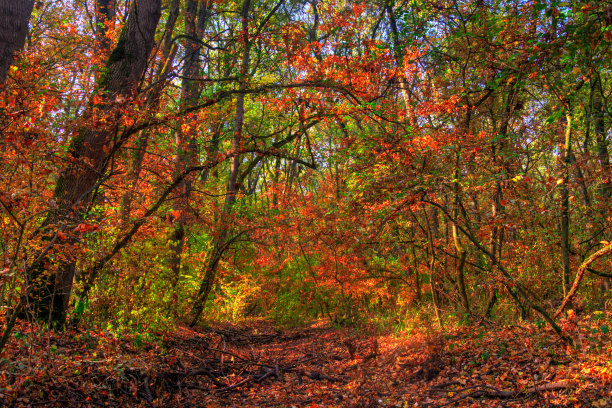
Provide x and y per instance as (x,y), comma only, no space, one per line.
(258,365)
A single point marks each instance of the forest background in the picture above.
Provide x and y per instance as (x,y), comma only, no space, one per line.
(409,164)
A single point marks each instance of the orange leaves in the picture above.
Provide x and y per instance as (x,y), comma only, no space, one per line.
(438,106)
(83,227)
(359,9)
(174,215)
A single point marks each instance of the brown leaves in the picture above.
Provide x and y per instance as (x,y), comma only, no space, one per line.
(312,365)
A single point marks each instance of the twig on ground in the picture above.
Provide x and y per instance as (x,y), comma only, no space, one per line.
(487,391)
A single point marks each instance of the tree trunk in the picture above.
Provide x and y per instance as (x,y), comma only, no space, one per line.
(417,278)
(210,272)
(602,142)
(403,83)
(497,210)
(186,145)
(433,281)
(168,51)
(604,158)
(220,243)
(90,156)
(565,219)
(461,252)
(14,19)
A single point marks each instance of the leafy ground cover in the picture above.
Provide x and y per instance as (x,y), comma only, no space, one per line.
(257,364)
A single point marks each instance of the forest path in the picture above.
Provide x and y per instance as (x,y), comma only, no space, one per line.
(256,364)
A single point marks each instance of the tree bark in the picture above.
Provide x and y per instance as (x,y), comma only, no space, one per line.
(461,252)
(602,142)
(497,210)
(186,145)
(565,218)
(91,150)
(607,249)
(220,243)
(433,281)
(403,83)
(168,54)
(603,157)
(14,19)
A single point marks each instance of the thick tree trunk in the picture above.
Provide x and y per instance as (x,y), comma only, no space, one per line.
(52,277)
(14,19)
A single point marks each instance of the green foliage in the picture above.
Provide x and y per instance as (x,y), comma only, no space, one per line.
(131,300)
(288,310)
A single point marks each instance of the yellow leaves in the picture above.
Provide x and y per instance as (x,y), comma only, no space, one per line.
(185,128)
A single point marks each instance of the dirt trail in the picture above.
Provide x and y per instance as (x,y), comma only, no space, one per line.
(258,365)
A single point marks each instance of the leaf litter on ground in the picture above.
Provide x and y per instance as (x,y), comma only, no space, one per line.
(255,364)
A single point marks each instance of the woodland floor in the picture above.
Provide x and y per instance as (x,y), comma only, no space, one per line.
(257,365)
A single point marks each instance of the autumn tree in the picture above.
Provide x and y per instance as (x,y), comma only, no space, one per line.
(90,150)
